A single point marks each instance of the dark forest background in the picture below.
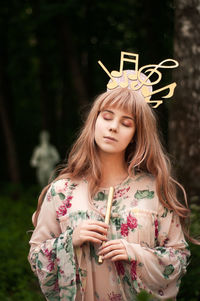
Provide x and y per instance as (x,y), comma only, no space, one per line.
(49,76)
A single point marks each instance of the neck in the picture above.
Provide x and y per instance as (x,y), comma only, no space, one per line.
(114,169)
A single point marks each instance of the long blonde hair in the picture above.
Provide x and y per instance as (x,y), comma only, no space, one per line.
(146,153)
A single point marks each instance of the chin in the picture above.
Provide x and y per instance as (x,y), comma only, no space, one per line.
(110,150)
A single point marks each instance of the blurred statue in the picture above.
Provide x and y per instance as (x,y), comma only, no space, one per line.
(44,158)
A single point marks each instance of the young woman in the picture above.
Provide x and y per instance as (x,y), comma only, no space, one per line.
(144,247)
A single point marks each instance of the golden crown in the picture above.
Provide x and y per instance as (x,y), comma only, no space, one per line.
(136,80)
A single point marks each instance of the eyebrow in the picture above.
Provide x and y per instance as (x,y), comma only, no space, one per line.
(128,117)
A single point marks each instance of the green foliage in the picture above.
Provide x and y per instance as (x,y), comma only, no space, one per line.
(144,296)
(17,281)
(190,285)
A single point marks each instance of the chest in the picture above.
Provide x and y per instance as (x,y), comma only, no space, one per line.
(133,213)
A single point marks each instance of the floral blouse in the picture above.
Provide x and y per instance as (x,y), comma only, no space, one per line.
(152,235)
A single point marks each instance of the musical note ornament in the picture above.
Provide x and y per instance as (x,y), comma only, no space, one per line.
(139,79)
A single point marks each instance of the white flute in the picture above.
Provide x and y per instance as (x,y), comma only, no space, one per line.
(108,212)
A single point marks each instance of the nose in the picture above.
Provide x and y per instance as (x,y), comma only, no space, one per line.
(113,126)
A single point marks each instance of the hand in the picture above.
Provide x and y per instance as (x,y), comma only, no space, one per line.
(89,230)
(114,250)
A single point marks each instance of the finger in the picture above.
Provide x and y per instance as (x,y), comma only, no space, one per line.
(104,250)
(119,257)
(92,239)
(99,223)
(113,242)
(97,228)
(94,234)
(112,254)
(111,246)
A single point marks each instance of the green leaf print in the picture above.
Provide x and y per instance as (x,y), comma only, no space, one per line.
(93,253)
(72,186)
(165,212)
(61,196)
(135,283)
(117,221)
(126,280)
(114,203)
(53,193)
(51,281)
(168,271)
(52,295)
(96,295)
(101,196)
(161,249)
(39,264)
(141,194)
(52,235)
(82,272)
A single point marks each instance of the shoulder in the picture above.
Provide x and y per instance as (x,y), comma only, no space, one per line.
(64,185)
(60,184)
(145,178)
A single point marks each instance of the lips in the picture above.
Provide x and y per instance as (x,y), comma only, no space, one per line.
(110,138)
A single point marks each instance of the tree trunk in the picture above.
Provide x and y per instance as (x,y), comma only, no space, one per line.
(72,62)
(184,121)
(13,166)
(43,69)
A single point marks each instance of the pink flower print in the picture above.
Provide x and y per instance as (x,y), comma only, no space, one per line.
(124,229)
(165,241)
(156,228)
(50,266)
(62,210)
(48,197)
(48,254)
(133,270)
(66,185)
(171,253)
(77,278)
(131,222)
(121,192)
(67,203)
(56,286)
(120,268)
(160,292)
(114,297)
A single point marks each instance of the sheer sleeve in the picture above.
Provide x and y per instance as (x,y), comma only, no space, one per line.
(51,254)
(158,270)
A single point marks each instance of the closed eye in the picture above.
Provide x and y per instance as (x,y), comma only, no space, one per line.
(127,123)
(107,116)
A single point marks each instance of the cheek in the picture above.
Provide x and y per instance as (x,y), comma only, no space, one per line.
(129,135)
(98,128)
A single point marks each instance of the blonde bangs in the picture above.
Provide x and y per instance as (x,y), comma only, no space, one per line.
(120,98)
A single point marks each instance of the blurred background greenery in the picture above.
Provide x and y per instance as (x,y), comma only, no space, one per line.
(48,78)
